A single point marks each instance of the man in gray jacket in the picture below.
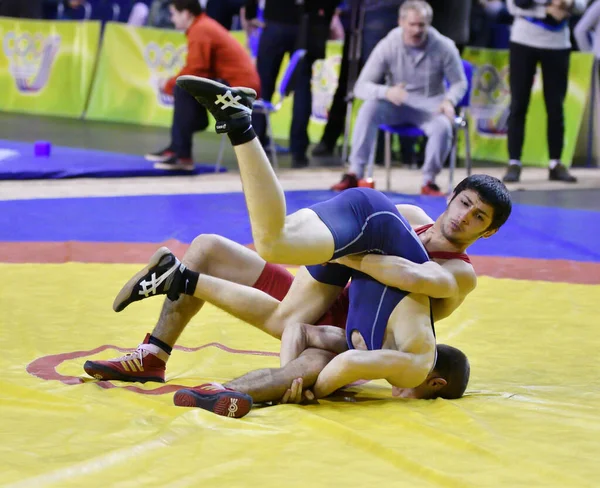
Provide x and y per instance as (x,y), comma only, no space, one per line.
(403,83)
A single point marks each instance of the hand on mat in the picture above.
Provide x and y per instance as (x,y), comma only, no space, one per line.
(294,393)
(396,94)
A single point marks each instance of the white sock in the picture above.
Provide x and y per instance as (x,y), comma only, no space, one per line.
(553,163)
(514,161)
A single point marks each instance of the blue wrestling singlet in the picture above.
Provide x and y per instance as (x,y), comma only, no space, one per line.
(363,220)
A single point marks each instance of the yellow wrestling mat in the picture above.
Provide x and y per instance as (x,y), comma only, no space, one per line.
(530,417)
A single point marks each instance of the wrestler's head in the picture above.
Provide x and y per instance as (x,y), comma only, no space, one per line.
(183,13)
(479,206)
(448,379)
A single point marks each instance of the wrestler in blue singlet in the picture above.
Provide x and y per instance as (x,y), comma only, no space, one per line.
(363,220)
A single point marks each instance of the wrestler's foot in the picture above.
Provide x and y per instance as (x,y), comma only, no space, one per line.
(231,107)
(146,363)
(215,398)
(159,277)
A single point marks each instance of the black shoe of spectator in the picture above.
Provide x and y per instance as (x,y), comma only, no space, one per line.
(561,173)
(513,173)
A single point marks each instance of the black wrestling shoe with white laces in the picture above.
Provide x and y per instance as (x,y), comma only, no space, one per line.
(160,277)
(231,106)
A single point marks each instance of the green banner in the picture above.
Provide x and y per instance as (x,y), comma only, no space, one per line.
(133,61)
(47,67)
(490,102)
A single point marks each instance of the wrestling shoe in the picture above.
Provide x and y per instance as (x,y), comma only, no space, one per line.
(147,363)
(159,277)
(215,398)
(231,106)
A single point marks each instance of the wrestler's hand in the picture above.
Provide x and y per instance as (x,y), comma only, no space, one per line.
(294,393)
(349,261)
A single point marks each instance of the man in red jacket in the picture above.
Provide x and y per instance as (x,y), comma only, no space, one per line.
(212,53)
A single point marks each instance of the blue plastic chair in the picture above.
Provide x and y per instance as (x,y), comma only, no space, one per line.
(285,89)
(460,123)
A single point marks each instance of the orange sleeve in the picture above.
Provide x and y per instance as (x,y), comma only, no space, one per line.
(198,61)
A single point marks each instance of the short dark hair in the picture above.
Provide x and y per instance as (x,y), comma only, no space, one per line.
(493,192)
(192,6)
(452,365)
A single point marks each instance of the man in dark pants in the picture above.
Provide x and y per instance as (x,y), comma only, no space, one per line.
(212,53)
(223,11)
(539,34)
(280,36)
(24,9)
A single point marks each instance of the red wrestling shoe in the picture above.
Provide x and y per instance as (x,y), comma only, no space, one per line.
(349,180)
(147,363)
(216,399)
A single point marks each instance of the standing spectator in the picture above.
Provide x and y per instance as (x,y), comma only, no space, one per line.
(417,60)
(540,34)
(212,53)
(587,29)
(24,9)
(223,11)
(282,34)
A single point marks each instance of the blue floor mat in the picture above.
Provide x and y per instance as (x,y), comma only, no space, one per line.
(18,162)
(531,232)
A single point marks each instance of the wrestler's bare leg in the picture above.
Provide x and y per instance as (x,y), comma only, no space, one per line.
(213,256)
(306,301)
(300,238)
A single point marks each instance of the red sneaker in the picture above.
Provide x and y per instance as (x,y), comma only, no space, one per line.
(366,183)
(147,363)
(216,399)
(349,180)
(159,155)
(175,164)
(432,190)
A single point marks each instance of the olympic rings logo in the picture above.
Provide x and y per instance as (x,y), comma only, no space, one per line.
(27,47)
(166,58)
(31,57)
(491,84)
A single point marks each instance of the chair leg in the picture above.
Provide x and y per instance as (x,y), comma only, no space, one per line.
(221,153)
(272,147)
(468,161)
(453,157)
(388,160)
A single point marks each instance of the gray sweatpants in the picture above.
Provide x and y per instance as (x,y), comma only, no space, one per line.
(372,113)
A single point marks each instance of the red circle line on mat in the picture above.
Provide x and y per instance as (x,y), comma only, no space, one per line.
(45,367)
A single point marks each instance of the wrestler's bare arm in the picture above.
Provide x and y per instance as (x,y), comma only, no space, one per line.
(401,369)
(416,216)
(452,279)
(298,337)
(270,385)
